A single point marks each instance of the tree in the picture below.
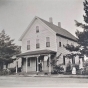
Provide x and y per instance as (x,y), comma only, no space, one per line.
(56,68)
(82,36)
(7,49)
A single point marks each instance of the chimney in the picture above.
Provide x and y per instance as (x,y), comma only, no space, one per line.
(59,24)
(51,20)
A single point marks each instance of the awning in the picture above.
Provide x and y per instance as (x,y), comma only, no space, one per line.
(38,52)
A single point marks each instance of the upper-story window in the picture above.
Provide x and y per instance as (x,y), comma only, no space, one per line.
(37,29)
(28,45)
(47,41)
(37,43)
(59,44)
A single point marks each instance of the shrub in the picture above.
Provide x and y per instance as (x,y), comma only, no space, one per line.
(19,69)
(57,69)
(77,67)
(85,71)
(13,70)
(5,72)
(68,67)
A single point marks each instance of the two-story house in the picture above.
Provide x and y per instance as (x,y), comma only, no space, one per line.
(41,43)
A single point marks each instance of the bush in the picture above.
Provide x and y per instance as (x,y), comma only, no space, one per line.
(68,67)
(77,67)
(13,70)
(19,69)
(85,71)
(57,69)
(67,73)
(5,72)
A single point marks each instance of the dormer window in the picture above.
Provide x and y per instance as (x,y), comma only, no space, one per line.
(37,29)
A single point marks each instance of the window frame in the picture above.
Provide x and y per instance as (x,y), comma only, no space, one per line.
(48,42)
(63,60)
(37,29)
(28,45)
(37,44)
(59,43)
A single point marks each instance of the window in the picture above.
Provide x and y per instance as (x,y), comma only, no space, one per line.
(63,60)
(59,44)
(37,43)
(37,29)
(28,61)
(28,45)
(47,42)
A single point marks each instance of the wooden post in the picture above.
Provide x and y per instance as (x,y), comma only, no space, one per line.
(49,64)
(16,66)
(26,64)
(37,66)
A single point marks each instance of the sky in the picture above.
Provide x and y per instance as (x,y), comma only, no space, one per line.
(16,15)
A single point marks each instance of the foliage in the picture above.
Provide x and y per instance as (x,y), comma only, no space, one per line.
(13,70)
(54,61)
(7,48)
(84,26)
(70,56)
(77,67)
(82,36)
(5,72)
(68,67)
(85,71)
(58,69)
(71,47)
(86,63)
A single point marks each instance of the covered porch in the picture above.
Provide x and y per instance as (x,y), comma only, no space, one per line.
(37,61)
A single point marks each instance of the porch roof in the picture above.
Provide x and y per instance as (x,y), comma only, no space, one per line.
(38,52)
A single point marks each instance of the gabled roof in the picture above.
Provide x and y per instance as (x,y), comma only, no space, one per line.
(59,31)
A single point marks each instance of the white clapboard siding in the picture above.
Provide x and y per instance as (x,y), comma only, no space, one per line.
(43,33)
(62,50)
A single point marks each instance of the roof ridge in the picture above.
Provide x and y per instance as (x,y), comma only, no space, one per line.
(58,28)
(50,23)
(47,21)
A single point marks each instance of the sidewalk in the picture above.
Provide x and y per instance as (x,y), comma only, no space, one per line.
(55,76)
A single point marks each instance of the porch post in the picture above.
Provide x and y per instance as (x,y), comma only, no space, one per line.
(37,65)
(26,64)
(49,64)
(16,66)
